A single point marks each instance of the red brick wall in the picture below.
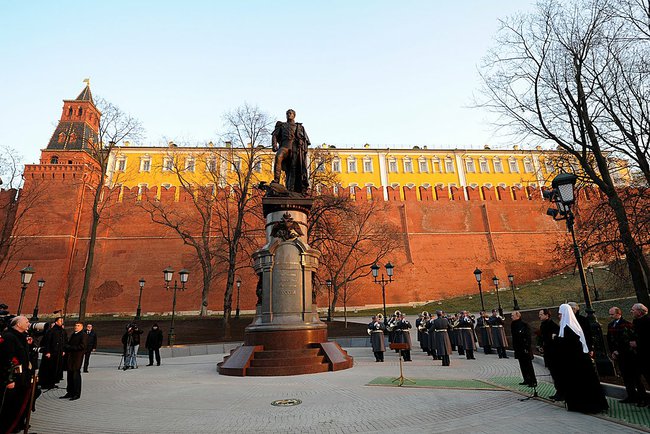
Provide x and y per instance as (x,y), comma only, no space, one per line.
(448,239)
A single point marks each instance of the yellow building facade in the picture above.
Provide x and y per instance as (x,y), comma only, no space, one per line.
(132,166)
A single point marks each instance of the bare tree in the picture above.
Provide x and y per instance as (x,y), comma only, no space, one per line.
(115,126)
(554,76)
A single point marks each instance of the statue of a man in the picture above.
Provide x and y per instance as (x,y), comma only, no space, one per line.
(290,142)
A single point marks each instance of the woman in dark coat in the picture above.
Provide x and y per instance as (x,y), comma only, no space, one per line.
(153,344)
(577,373)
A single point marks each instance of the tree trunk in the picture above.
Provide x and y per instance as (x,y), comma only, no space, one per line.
(205,292)
(633,253)
(89,266)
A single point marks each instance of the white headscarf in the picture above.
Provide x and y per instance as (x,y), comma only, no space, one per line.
(569,319)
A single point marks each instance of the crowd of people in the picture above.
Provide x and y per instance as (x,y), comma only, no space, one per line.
(33,360)
(566,348)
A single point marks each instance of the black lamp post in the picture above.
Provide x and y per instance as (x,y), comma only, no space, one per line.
(562,195)
(478,273)
(139,311)
(590,269)
(168,274)
(238,287)
(495,280)
(328,282)
(383,282)
(41,283)
(511,278)
(25,277)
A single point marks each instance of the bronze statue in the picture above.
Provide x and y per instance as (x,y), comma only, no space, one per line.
(289,141)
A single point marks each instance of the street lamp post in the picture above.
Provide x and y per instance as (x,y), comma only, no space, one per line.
(562,195)
(328,282)
(590,269)
(238,288)
(511,278)
(41,283)
(139,311)
(478,273)
(168,274)
(495,280)
(25,277)
(383,282)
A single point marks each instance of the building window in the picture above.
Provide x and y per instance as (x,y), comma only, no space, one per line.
(166,186)
(473,185)
(141,188)
(392,165)
(410,185)
(257,165)
(367,165)
(168,164)
(145,165)
(498,165)
(353,188)
(408,165)
(485,167)
(423,166)
(528,166)
(512,164)
(189,164)
(395,185)
(469,166)
(435,165)
(352,166)
(320,165)
(449,165)
(549,166)
(502,185)
(236,165)
(336,166)
(487,185)
(211,165)
(121,164)
(369,189)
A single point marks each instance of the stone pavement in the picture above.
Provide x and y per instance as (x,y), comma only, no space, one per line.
(186,395)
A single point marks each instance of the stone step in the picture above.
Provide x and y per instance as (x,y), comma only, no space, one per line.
(292,361)
(286,370)
(277,354)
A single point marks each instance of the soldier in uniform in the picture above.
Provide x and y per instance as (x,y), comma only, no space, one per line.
(289,141)
(376,329)
(423,333)
(401,328)
(465,330)
(52,347)
(499,339)
(440,330)
(432,338)
(484,334)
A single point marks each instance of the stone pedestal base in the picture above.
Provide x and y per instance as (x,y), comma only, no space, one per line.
(285,352)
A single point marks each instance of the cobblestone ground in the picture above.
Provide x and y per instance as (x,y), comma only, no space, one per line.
(186,395)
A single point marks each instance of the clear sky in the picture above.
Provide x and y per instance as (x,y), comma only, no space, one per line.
(388,73)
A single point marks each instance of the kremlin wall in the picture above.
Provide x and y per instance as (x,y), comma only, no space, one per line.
(448,230)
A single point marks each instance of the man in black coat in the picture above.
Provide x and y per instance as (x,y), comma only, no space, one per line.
(548,330)
(52,346)
(522,344)
(153,344)
(75,349)
(619,334)
(91,345)
(15,375)
(585,326)
(641,324)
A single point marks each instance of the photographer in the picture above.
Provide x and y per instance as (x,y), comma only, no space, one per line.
(131,343)
(15,375)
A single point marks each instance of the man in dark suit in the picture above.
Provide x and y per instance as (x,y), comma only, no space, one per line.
(619,334)
(641,324)
(522,344)
(91,344)
(75,349)
(52,346)
(584,325)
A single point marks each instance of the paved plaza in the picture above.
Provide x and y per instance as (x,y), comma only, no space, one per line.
(186,395)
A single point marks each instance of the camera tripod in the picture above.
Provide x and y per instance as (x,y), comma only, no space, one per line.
(129,357)
(534,395)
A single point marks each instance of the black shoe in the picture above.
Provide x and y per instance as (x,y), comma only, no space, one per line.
(158,364)
(532,385)
(523,383)
(628,400)
(642,404)
(86,371)
(66,396)
(74,398)
(150,364)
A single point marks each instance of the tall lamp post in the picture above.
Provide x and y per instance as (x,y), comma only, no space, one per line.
(495,280)
(383,282)
(511,278)
(590,269)
(168,274)
(328,282)
(25,277)
(238,288)
(478,273)
(41,284)
(562,195)
(139,311)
